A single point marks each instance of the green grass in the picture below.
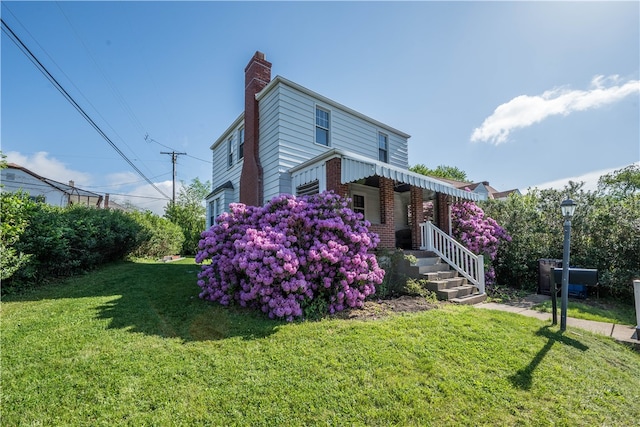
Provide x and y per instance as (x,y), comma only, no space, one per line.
(600,310)
(132,344)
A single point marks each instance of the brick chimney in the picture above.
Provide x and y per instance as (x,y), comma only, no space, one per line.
(257,75)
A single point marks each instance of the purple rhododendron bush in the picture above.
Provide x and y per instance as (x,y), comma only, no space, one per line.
(481,234)
(290,256)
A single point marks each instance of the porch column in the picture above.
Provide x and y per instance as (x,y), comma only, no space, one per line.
(444,220)
(334,177)
(386,228)
(417,216)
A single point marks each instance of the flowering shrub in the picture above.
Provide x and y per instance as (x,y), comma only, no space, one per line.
(479,233)
(290,256)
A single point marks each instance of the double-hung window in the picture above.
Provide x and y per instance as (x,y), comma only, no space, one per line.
(322,126)
(215,209)
(230,152)
(383,147)
(240,144)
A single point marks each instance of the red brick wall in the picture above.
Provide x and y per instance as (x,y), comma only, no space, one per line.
(417,216)
(257,75)
(443,212)
(386,230)
(334,176)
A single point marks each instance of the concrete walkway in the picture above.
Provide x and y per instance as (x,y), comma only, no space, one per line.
(622,333)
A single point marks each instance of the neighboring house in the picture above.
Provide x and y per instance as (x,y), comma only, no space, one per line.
(292,140)
(17,178)
(482,189)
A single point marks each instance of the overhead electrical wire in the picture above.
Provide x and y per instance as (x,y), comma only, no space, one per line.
(149,139)
(71,81)
(24,49)
(114,90)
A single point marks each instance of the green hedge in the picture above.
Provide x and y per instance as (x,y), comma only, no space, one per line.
(605,235)
(40,242)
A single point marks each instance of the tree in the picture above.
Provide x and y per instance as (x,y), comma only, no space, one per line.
(442,171)
(622,182)
(189,213)
(605,235)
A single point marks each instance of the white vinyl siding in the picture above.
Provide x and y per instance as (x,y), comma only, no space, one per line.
(221,172)
(347,131)
(287,135)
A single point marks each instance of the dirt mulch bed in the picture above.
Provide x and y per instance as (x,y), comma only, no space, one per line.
(381,308)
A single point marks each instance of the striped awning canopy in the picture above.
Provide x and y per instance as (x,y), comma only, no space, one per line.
(356,167)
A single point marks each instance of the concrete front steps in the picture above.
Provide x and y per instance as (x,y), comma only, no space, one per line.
(441,279)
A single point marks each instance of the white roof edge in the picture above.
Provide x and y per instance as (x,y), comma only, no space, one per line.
(222,137)
(324,99)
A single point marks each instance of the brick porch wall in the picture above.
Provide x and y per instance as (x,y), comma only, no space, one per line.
(386,229)
(334,176)
(417,216)
(443,212)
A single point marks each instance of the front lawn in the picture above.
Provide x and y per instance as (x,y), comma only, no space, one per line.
(600,310)
(132,344)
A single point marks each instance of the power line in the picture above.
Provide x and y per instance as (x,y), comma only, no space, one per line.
(24,49)
(149,139)
(71,81)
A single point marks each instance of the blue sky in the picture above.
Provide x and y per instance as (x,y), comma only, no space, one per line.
(517,94)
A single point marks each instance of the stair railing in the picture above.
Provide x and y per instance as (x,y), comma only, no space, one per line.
(453,253)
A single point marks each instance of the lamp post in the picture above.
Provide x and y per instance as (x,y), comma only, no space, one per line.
(568,208)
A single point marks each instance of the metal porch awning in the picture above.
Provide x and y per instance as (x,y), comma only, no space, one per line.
(354,169)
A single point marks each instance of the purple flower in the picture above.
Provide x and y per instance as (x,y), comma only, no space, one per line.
(278,257)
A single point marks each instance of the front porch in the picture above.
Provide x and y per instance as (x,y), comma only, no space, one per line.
(395,201)
(407,210)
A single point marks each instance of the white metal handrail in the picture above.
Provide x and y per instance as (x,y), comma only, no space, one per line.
(453,253)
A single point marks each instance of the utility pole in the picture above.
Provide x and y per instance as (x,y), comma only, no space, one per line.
(174,158)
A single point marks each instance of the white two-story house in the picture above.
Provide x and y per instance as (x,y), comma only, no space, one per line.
(292,140)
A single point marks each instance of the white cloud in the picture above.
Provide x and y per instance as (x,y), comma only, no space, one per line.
(525,110)
(146,197)
(120,179)
(590,180)
(49,167)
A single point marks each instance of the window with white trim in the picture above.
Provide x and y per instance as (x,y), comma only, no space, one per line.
(230,152)
(383,147)
(215,209)
(322,126)
(240,144)
(358,204)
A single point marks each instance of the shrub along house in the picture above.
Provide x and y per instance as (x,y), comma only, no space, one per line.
(292,140)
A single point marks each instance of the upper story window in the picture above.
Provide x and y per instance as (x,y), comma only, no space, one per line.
(241,144)
(230,152)
(322,126)
(383,147)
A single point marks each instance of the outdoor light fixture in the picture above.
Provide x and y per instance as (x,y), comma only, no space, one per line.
(568,208)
